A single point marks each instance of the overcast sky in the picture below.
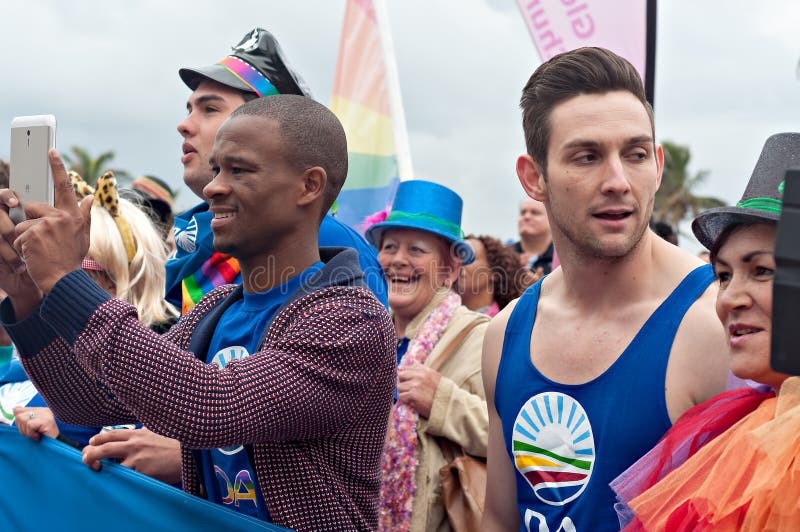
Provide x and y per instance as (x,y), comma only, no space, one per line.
(725,80)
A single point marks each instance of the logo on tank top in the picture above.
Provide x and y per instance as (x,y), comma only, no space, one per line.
(553,447)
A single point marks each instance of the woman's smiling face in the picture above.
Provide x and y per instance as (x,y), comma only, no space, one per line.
(745,266)
(417,264)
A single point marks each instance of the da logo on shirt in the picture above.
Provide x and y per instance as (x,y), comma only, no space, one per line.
(553,447)
(224,356)
(186,238)
(221,359)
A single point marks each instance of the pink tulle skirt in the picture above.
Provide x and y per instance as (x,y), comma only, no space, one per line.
(746,478)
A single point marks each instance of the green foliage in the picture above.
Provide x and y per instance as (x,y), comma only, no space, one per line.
(676,199)
(91,168)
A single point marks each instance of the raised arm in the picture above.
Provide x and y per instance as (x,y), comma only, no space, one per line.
(325,361)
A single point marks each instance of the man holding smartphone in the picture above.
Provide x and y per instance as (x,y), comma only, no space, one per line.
(293,433)
(256,67)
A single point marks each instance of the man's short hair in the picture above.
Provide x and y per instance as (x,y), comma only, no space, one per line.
(311,134)
(587,70)
(5,172)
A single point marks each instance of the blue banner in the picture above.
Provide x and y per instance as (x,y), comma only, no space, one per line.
(48,487)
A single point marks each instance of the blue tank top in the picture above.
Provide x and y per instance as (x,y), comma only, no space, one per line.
(567,442)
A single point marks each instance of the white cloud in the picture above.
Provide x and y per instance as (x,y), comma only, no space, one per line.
(108,70)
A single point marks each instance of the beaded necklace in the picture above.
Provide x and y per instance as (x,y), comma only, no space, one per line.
(399,458)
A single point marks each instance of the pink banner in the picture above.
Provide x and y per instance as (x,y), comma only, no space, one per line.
(560,25)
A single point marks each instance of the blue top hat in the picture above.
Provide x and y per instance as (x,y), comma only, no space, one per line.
(429,207)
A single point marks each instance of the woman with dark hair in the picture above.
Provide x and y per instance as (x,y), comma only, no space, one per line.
(731,463)
(495,277)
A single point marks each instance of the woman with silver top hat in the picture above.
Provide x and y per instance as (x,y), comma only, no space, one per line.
(441,407)
(748,476)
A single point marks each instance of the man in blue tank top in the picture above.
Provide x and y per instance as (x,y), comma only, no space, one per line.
(594,362)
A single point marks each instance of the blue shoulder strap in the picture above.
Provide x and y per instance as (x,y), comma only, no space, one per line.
(672,310)
(520,323)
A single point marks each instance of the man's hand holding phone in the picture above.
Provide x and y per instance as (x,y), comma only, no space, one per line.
(14,279)
(51,242)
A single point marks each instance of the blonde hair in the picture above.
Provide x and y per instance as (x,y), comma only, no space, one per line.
(141,283)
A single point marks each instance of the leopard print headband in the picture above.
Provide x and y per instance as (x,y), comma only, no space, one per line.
(106,195)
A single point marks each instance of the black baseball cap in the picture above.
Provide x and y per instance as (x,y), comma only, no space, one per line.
(257,64)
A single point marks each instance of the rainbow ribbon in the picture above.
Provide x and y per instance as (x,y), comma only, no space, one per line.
(250,76)
(218,270)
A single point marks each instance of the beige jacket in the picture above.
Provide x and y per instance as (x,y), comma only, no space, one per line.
(458,413)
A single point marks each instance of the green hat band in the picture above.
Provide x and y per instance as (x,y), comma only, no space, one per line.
(428,220)
(762,204)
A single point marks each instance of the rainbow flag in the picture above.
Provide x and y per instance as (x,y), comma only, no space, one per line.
(366,98)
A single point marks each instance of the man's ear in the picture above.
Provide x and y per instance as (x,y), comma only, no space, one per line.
(531,177)
(315,180)
(660,164)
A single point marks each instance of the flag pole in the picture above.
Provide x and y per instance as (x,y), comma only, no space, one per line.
(404,166)
(650,60)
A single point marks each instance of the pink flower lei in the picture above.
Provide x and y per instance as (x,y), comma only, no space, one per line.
(399,458)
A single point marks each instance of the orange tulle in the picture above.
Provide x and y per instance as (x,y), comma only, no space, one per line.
(746,479)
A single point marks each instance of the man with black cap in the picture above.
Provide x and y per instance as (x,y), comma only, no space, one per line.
(256,67)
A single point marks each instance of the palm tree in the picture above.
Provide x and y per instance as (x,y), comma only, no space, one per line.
(676,199)
(91,168)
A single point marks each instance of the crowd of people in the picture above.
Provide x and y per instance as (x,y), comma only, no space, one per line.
(258,353)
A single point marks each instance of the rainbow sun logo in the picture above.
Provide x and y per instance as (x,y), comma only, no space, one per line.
(553,447)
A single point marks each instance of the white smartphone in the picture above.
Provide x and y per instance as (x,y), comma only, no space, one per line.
(30,176)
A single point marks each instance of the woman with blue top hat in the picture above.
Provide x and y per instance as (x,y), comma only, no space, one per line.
(733,462)
(440,410)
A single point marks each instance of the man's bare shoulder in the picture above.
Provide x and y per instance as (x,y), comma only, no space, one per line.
(699,358)
(673,263)
(493,346)
(700,328)
(500,320)
(700,325)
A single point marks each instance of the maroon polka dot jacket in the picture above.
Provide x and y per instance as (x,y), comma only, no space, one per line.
(313,402)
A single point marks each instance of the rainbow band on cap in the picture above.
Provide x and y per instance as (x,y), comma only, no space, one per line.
(250,76)
(434,221)
(762,204)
